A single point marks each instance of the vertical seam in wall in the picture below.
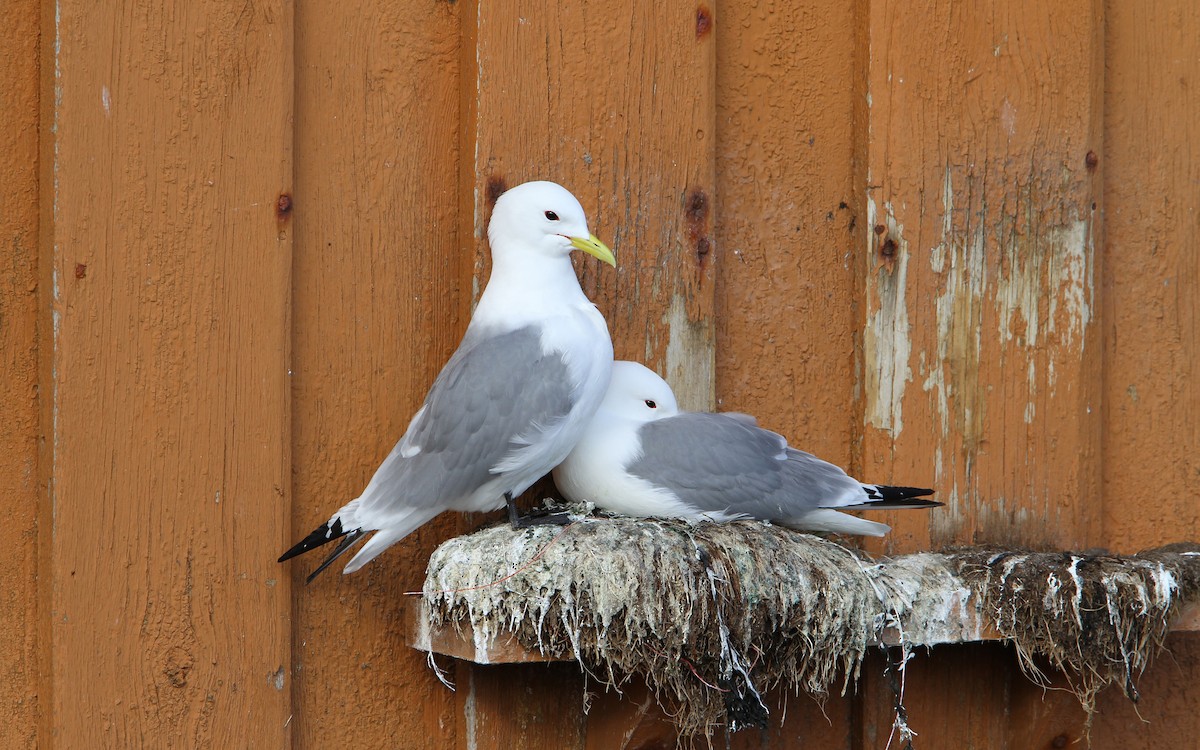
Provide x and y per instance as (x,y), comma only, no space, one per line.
(858,155)
(47,342)
(1102,312)
(287,445)
(859,258)
(468,229)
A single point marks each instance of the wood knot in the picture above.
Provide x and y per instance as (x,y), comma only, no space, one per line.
(696,220)
(496,187)
(704,22)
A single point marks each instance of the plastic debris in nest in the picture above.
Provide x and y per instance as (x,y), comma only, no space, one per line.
(714,615)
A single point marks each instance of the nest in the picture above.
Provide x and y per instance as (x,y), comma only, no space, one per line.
(713,615)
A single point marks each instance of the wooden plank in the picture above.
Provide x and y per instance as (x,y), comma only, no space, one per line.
(1166,715)
(981,347)
(981,363)
(1152,273)
(789,219)
(378,284)
(170,140)
(973,628)
(621,113)
(629,720)
(19,430)
(1049,717)
(523,706)
(953,697)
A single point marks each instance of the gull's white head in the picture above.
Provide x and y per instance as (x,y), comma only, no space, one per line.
(543,217)
(638,394)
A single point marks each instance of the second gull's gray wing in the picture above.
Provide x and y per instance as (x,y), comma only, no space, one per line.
(720,463)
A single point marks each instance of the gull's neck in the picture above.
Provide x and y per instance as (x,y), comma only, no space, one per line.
(522,289)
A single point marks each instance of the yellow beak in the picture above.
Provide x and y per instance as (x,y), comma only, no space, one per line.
(594,247)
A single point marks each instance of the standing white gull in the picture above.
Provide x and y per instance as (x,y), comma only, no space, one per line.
(514,398)
(642,456)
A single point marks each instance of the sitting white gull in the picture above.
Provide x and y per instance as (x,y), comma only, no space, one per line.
(514,398)
(642,456)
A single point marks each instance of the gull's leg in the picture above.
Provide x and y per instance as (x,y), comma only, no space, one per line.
(513,518)
(524,522)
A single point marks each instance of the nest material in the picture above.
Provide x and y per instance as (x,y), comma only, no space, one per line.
(713,615)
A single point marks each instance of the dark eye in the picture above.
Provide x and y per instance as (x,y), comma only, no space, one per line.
(651,404)
(551,216)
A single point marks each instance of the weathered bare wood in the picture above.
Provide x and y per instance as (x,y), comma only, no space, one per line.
(981,268)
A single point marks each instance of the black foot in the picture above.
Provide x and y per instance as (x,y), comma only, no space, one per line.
(537,517)
(541,519)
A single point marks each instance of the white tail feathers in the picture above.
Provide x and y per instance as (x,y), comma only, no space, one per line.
(395,529)
(825,519)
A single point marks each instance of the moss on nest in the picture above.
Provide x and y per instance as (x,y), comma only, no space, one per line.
(712,615)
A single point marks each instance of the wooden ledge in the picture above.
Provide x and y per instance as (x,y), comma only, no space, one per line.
(506,650)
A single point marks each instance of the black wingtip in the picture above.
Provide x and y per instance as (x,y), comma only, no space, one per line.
(887,497)
(351,538)
(904,503)
(323,534)
(888,492)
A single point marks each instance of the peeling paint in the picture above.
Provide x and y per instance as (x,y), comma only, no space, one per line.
(470,716)
(1052,268)
(1008,118)
(887,342)
(954,376)
(690,365)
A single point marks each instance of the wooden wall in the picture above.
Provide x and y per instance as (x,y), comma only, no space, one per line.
(934,243)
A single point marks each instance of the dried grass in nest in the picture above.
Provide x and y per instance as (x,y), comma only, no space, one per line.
(713,615)
(1097,618)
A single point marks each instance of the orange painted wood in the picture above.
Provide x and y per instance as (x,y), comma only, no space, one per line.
(789,219)
(1045,718)
(523,706)
(20,478)
(630,720)
(955,698)
(378,282)
(1038,370)
(615,100)
(1152,273)
(801,721)
(1168,714)
(981,361)
(170,139)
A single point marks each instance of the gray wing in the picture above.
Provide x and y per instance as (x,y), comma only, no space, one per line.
(722,463)
(493,390)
